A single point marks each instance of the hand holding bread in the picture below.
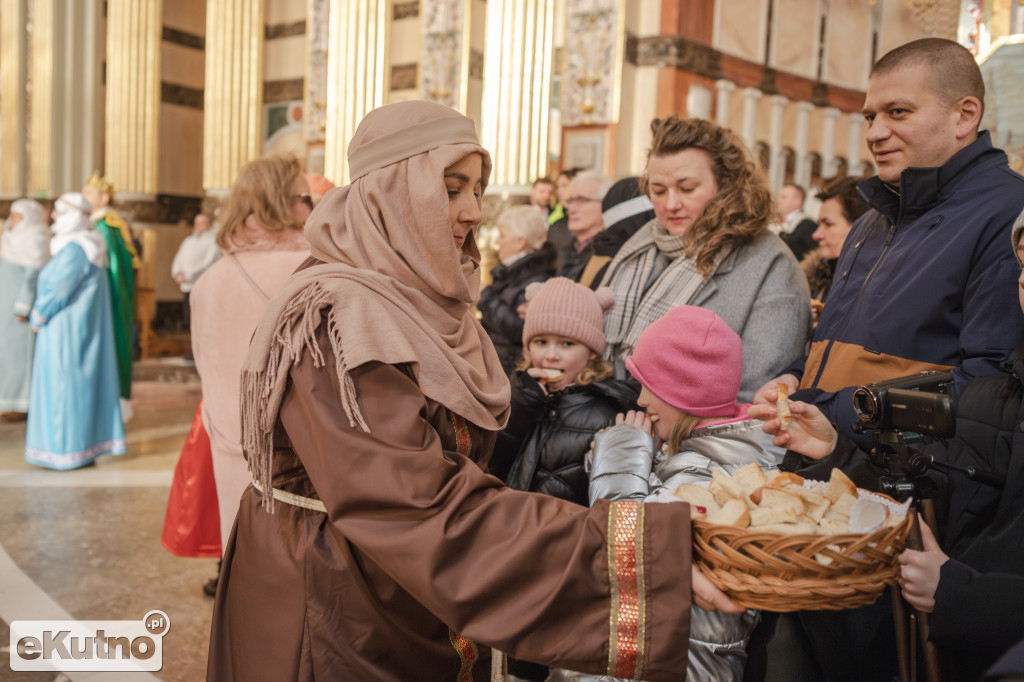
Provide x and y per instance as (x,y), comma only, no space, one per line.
(808,432)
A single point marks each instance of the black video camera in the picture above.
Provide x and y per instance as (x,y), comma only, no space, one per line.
(922,403)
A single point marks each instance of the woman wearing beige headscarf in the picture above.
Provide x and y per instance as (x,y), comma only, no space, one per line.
(371,398)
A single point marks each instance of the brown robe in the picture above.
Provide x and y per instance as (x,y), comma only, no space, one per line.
(423,561)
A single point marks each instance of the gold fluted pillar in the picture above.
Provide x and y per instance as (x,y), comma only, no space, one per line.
(134,33)
(41,121)
(517,89)
(13,114)
(233,107)
(358,74)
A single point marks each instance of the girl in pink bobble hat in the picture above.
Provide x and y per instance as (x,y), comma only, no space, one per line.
(561,391)
(562,394)
(689,364)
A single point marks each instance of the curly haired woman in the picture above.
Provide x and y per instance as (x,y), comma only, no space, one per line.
(709,246)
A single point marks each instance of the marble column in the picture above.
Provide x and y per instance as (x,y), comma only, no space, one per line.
(233,106)
(698,102)
(776,158)
(828,143)
(358,76)
(854,166)
(444,61)
(13,112)
(517,90)
(725,89)
(65,123)
(802,175)
(750,97)
(134,34)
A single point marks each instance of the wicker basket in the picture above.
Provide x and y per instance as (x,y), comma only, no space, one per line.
(780,573)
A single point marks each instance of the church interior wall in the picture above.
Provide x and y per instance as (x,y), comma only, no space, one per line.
(740,28)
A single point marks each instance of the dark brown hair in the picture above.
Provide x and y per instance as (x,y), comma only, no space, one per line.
(845,190)
(743,207)
(954,72)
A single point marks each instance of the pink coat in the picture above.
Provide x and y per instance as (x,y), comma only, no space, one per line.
(227,303)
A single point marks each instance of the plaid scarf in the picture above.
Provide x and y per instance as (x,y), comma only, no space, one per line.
(650,275)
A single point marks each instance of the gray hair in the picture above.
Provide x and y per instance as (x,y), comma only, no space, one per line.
(525,222)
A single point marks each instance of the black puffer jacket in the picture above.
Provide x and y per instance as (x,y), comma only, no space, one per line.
(498,302)
(979,604)
(548,435)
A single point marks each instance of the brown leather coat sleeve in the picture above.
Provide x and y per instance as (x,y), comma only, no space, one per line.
(524,573)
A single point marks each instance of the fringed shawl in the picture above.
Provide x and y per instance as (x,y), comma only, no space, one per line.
(392,287)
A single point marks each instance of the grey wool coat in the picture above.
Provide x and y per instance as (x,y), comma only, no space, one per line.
(762,294)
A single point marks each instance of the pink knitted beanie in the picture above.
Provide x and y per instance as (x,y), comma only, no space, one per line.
(692,360)
(563,307)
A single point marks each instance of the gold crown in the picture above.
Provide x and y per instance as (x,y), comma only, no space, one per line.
(101,183)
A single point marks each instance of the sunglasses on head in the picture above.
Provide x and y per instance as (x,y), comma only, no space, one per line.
(306,198)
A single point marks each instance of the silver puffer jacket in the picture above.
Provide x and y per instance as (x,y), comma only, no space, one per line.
(624,465)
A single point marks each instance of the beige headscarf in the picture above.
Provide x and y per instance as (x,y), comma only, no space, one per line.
(392,288)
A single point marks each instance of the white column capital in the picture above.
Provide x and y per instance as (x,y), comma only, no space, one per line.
(725,85)
(779,101)
(752,93)
(804,107)
(831,112)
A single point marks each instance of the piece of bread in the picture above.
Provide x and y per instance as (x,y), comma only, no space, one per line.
(749,477)
(781,497)
(833,526)
(844,505)
(552,376)
(732,513)
(724,488)
(839,483)
(764,516)
(699,499)
(833,514)
(786,478)
(782,406)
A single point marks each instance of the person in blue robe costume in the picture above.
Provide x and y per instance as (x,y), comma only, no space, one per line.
(74,410)
(24,250)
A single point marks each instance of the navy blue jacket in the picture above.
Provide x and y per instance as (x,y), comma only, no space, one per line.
(925,281)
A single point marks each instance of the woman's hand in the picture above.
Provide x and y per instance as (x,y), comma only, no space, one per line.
(638,419)
(919,571)
(709,597)
(809,433)
(768,392)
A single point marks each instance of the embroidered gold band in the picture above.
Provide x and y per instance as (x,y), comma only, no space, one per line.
(469,654)
(626,579)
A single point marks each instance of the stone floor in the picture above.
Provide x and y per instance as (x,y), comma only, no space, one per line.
(85,544)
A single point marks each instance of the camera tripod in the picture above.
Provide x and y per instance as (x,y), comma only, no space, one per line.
(898,452)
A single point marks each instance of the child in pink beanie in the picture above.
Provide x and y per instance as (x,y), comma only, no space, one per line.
(562,394)
(689,365)
(561,391)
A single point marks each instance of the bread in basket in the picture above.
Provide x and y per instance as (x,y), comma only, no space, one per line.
(787,544)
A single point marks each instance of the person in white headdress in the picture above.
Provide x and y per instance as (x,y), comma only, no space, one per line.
(24,250)
(74,413)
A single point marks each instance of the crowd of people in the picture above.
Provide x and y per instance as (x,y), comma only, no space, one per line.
(426,474)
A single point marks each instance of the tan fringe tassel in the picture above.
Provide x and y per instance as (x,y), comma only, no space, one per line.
(263,390)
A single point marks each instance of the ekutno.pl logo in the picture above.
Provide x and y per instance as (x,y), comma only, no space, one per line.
(90,645)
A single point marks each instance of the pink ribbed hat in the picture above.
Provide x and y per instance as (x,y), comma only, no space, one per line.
(563,307)
(692,360)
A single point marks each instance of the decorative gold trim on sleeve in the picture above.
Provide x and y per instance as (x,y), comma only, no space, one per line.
(627,619)
(463,441)
(468,652)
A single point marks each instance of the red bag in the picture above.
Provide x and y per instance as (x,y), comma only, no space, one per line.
(192,522)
